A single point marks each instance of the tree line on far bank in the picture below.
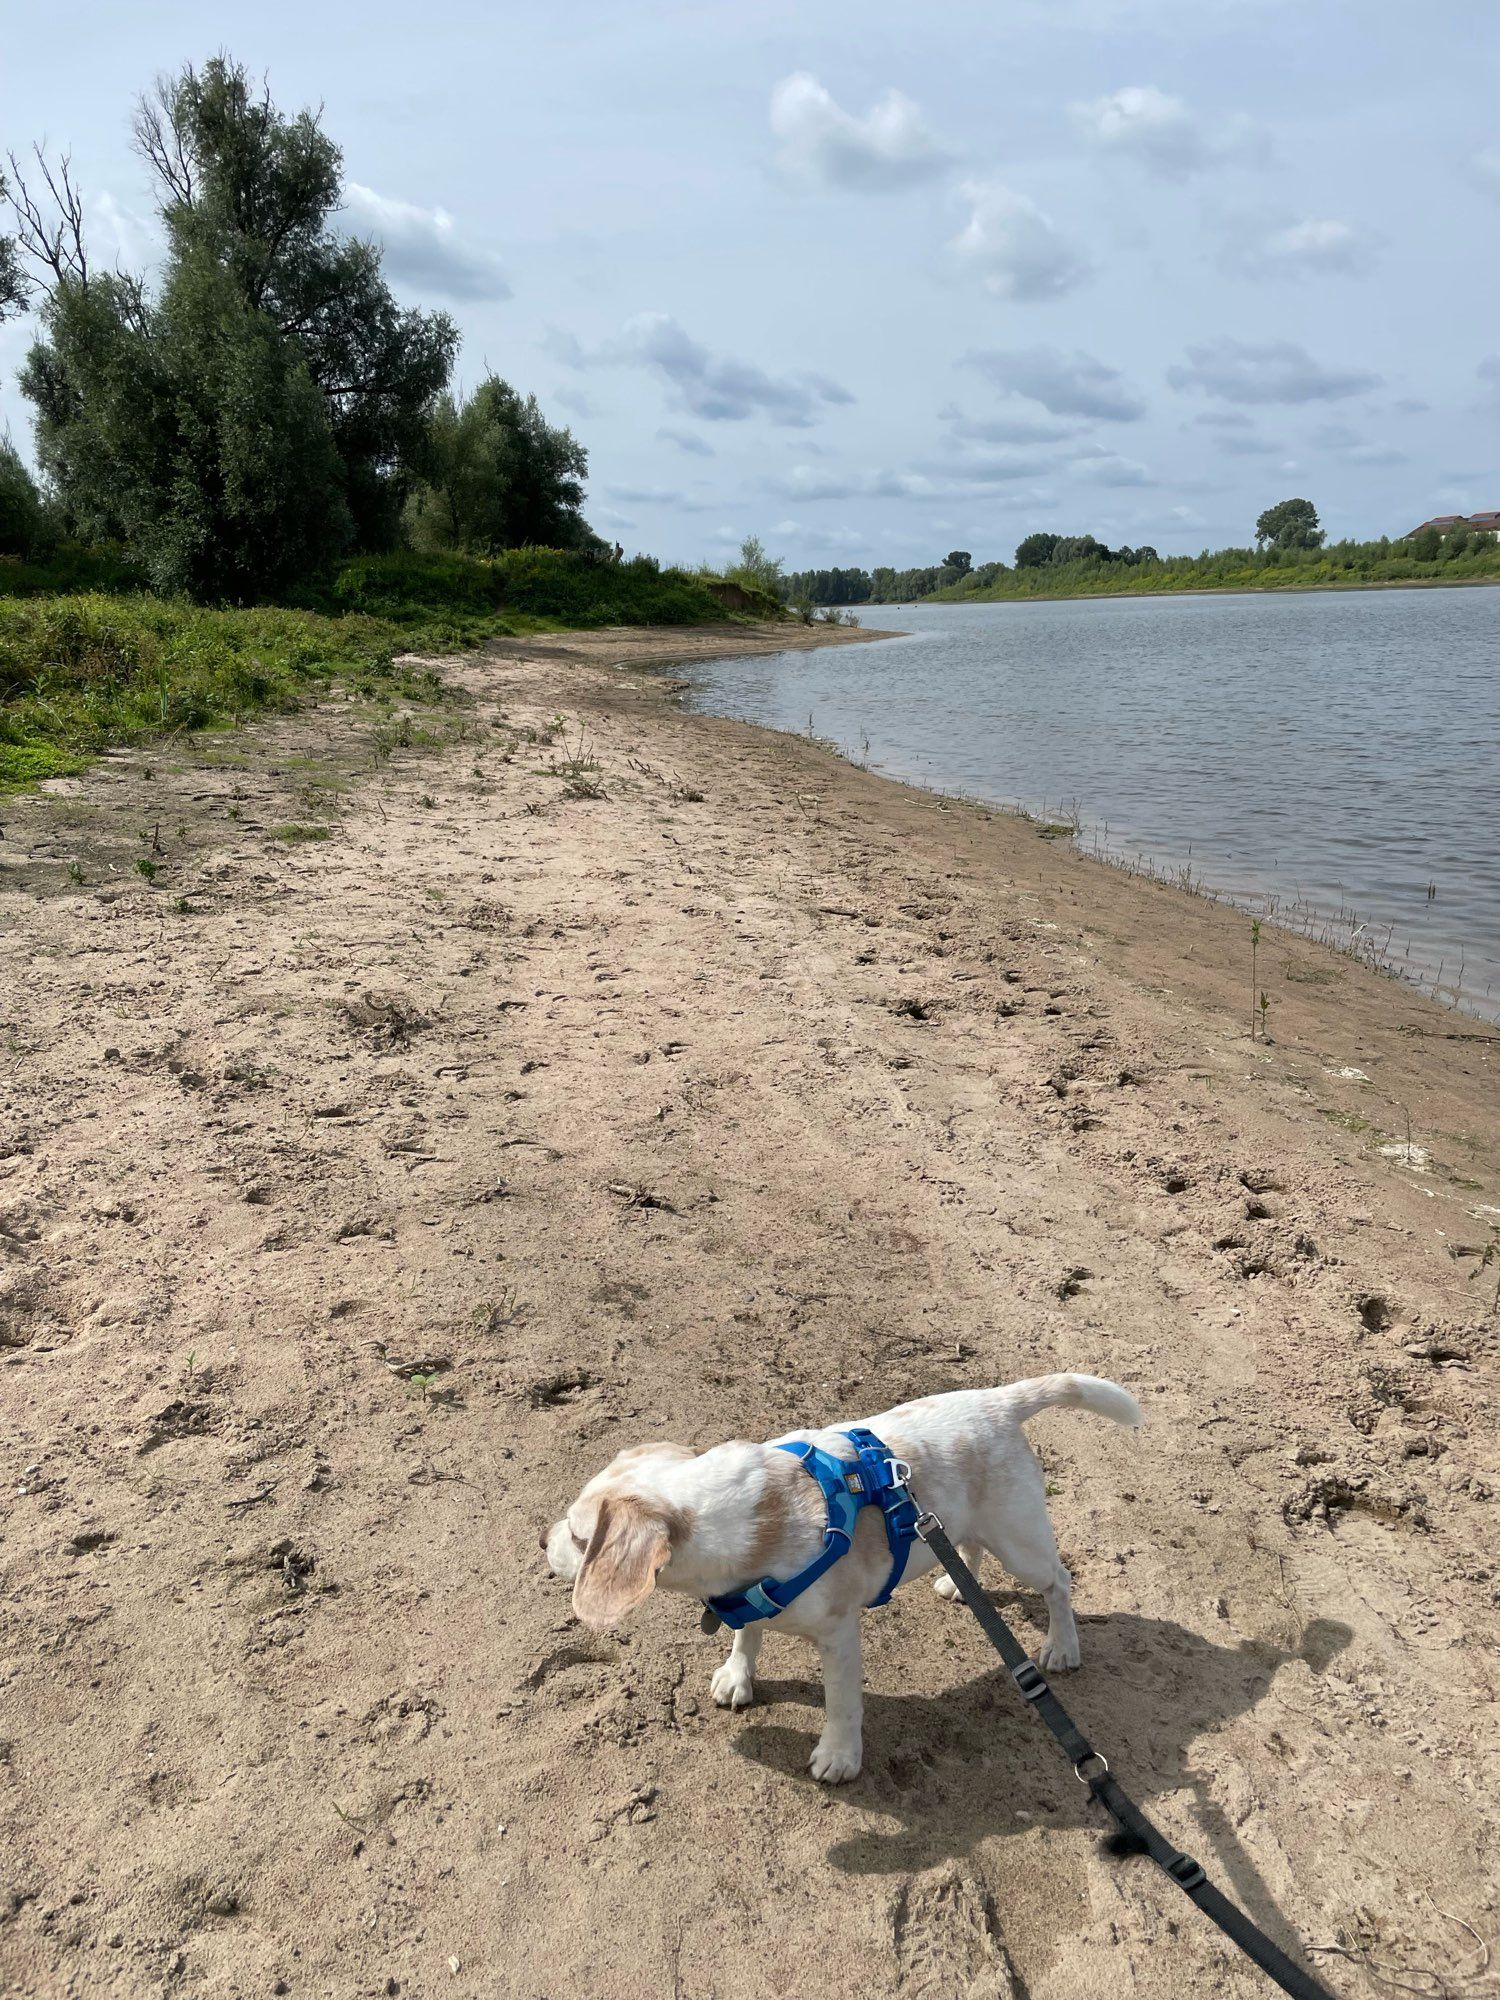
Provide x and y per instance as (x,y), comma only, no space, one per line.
(1290,547)
(264,406)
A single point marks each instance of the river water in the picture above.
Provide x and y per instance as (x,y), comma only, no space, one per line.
(1330,760)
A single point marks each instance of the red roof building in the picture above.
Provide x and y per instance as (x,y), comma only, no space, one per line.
(1488,518)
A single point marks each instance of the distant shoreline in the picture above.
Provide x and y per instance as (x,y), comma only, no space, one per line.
(1205,591)
(1197,590)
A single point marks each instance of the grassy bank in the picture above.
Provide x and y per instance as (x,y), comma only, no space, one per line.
(1230,569)
(87,660)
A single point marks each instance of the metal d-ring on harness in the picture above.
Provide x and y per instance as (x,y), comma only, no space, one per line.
(1136,1835)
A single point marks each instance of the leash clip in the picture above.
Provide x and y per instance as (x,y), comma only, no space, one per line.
(925,1524)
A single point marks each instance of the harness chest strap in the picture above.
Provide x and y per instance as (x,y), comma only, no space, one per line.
(872,1478)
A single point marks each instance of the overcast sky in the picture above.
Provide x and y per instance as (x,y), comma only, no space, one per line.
(876,280)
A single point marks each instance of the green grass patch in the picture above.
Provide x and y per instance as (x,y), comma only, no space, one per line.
(23,764)
(84,668)
(465,598)
(294,832)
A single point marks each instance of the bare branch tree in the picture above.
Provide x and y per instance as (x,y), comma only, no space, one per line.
(53,241)
(157,130)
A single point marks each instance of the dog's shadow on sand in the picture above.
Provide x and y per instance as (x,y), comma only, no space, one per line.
(954,1769)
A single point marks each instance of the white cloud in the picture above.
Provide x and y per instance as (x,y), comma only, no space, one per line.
(422,247)
(1162,134)
(1069,385)
(1319,247)
(889,147)
(1015,247)
(1108,468)
(1273,371)
(714,388)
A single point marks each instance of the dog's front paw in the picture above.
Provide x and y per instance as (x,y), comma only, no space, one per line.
(732,1685)
(1059,1656)
(835,1763)
(946,1587)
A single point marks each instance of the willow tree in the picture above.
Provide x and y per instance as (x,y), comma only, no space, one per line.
(501,477)
(267,403)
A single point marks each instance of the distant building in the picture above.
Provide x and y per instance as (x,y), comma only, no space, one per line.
(1488,518)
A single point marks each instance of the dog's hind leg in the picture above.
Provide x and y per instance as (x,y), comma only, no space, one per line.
(1023,1540)
(733,1684)
(973,1555)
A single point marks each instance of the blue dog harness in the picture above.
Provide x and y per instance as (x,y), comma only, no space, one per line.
(872,1478)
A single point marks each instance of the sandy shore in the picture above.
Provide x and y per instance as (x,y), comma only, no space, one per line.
(360,1194)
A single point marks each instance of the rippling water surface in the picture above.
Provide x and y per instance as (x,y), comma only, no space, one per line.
(1333,760)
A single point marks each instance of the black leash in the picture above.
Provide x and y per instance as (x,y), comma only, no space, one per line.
(1136,1833)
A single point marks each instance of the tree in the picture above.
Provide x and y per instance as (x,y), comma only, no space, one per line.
(25,530)
(959,559)
(255,190)
(1290,524)
(1079,548)
(189,430)
(501,476)
(12,278)
(270,403)
(1427,545)
(1036,550)
(756,568)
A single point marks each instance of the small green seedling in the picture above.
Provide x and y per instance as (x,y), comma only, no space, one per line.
(1254,982)
(75,872)
(146,868)
(1265,1001)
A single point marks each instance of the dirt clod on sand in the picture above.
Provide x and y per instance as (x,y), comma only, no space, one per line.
(360,1196)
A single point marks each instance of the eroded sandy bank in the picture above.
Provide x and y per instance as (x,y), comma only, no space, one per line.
(351,1212)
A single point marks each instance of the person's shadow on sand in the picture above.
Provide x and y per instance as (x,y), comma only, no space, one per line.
(955,1769)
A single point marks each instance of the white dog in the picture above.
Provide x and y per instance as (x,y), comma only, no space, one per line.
(715,1522)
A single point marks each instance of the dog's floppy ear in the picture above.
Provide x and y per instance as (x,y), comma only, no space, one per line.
(629,1545)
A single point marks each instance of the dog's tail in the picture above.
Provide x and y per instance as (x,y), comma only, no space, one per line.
(1024,1400)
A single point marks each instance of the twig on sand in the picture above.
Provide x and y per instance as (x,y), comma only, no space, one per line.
(1443,1986)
